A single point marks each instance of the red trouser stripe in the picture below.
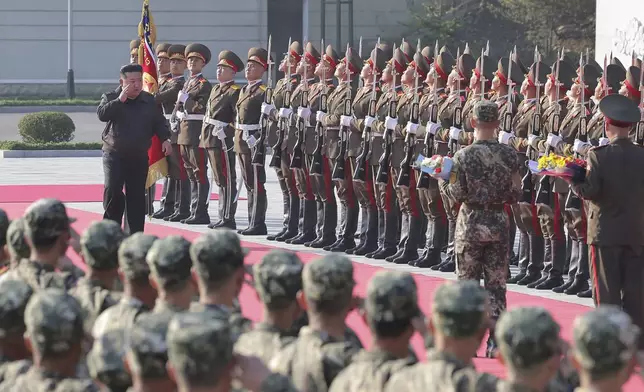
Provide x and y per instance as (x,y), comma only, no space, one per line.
(535,217)
(309,189)
(292,183)
(584,222)
(593,261)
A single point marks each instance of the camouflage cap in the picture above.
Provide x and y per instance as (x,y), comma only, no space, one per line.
(16,233)
(604,339)
(169,260)
(47,219)
(328,278)
(528,336)
(217,254)
(54,321)
(132,254)
(486,111)
(200,346)
(459,307)
(147,348)
(391,296)
(105,360)
(100,244)
(4,225)
(278,276)
(14,296)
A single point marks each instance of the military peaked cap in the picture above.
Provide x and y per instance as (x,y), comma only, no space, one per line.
(162,50)
(615,75)
(380,57)
(198,50)
(177,52)
(427,54)
(619,110)
(503,68)
(387,50)
(259,56)
(444,64)
(465,64)
(616,61)
(522,67)
(408,50)
(467,49)
(399,61)
(134,46)
(566,73)
(593,63)
(445,49)
(312,54)
(591,78)
(632,81)
(229,59)
(421,65)
(331,56)
(488,68)
(296,50)
(354,61)
(544,71)
(567,59)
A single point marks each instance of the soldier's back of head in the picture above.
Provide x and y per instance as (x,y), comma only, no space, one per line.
(147,349)
(278,278)
(100,244)
(391,303)
(105,361)
(459,309)
(216,257)
(328,284)
(170,264)
(16,244)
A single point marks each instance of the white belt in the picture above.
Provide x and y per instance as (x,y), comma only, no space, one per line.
(194,117)
(332,128)
(377,134)
(216,123)
(167,116)
(246,128)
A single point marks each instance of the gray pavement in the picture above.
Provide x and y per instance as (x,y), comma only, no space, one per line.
(90,171)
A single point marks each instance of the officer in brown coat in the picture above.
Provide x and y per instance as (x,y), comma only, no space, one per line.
(247,127)
(194,98)
(613,180)
(217,136)
(134,50)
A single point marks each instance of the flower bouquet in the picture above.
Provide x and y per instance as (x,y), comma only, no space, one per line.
(436,166)
(557,166)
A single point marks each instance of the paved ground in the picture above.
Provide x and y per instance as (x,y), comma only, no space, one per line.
(89,171)
(88,128)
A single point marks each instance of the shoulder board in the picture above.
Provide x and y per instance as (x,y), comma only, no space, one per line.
(202,80)
(262,87)
(294,80)
(330,85)
(443,95)
(400,92)
(595,148)
(235,87)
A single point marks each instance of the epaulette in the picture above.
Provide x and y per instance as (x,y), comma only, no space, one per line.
(262,87)
(401,92)
(443,95)
(594,148)
(235,87)
(294,80)
(330,85)
(202,80)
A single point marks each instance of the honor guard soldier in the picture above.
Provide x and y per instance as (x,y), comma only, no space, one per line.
(612,180)
(247,126)
(464,136)
(630,85)
(217,136)
(337,138)
(429,194)
(167,95)
(411,229)
(134,50)
(485,176)
(364,188)
(386,201)
(321,183)
(170,83)
(276,140)
(304,144)
(194,98)
(531,243)
(551,194)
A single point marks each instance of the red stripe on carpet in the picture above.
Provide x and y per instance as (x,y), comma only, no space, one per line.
(563,312)
(67,193)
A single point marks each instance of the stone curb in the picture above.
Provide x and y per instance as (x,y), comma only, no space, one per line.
(50,153)
(54,108)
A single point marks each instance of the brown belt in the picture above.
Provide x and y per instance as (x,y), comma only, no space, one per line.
(485,207)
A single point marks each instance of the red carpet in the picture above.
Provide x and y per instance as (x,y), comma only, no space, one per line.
(563,312)
(66,193)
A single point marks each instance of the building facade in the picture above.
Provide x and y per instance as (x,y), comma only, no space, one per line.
(619,29)
(35,34)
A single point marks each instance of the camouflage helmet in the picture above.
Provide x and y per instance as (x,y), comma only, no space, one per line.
(278,277)
(217,254)
(14,296)
(100,244)
(391,296)
(147,349)
(46,219)
(4,225)
(132,254)
(169,261)
(329,278)
(459,308)
(16,243)
(486,111)
(105,360)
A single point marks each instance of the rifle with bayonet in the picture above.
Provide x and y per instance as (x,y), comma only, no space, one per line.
(573,202)
(340,161)
(316,167)
(259,152)
(640,124)
(382,177)
(428,146)
(410,139)
(605,85)
(297,160)
(283,124)
(527,186)
(457,118)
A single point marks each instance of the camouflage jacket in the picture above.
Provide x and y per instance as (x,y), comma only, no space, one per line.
(121,315)
(10,370)
(263,341)
(314,360)
(37,380)
(40,276)
(370,371)
(484,174)
(94,299)
(469,380)
(238,323)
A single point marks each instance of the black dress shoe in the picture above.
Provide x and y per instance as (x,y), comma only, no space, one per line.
(197,220)
(176,217)
(328,247)
(303,239)
(549,284)
(286,236)
(448,267)
(290,240)
(353,250)
(529,279)
(406,257)
(162,214)
(514,259)
(577,287)
(515,279)
(272,237)
(438,266)
(537,282)
(184,220)
(395,255)
(344,245)
(323,242)
(365,249)
(257,230)
(383,253)
(214,225)
(586,294)
(563,287)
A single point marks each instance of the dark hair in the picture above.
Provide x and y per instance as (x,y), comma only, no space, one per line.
(389,329)
(129,68)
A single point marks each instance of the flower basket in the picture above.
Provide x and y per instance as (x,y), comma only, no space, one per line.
(557,166)
(437,166)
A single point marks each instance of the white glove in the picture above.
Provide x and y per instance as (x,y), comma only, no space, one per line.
(505,137)
(532,138)
(219,133)
(578,145)
(285,112)
(454,133)
(603,141)
(345,121)
(390,123)
(181,115)
(368,121)
(411,128)
(182,96)
(267,108)
(553,140)
(251,141)
(319,116)
(432,127)
(304,113)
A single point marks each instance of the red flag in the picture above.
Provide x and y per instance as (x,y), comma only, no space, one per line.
(157,164)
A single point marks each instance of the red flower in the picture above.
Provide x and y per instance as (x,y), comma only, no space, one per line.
(438,170)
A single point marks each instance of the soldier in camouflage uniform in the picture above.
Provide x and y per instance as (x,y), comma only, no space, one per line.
(171,273)
(485,175)
(55,333)
(4,225)
(317,356)
(17,248)
(200,353)
(459,321)
(48,233)
(99,244)
(15,358)
(278,278)
(391,306)
(105,362)
(147,355)
(138,293)
(218,261)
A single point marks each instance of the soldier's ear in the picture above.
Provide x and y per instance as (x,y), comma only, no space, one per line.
(301,300)
(153,282)
(28,345)
(472,122)
(431,326)
(499,357)
(171,373)
(121,275)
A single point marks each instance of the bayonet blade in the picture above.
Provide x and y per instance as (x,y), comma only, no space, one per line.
(487,48)
(270,63)
(360,48)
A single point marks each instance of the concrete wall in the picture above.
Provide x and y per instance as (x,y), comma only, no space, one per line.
(620,29)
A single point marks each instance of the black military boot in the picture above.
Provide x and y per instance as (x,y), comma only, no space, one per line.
(524,258)
(436,234)
(370,242)
(361,235)
(293,219)
(414,233)
(343,221)
(350,227)
(300,224)
(194,199)
(286,204)
(404,235)
(586,294)
(168,199)
(258,219)
(309,223)
(182,202)
(543,274)
(558,260)
(381,234)
(330,222)
(573,252)
(389,238)
(449,264)
(201,216)
(580,282)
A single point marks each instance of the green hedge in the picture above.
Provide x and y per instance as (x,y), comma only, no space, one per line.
(46,127)
(48,102)
(14,145)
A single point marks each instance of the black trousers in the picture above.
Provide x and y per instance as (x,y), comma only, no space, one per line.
(129,171)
